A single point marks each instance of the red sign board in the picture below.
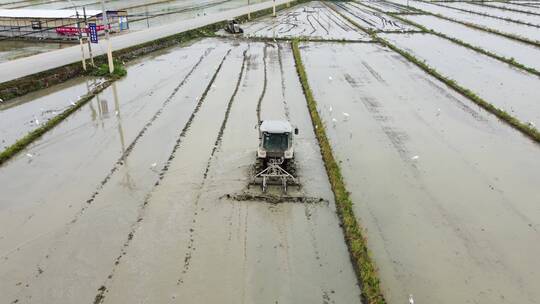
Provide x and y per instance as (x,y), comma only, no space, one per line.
(73,31)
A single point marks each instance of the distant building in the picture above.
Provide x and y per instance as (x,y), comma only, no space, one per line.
(55,24)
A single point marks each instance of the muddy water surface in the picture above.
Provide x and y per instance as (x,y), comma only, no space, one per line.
(22,115)
(493,11)
(523,53)
(529,32)
(507,88)
(247,251)
(312,20)
(188,137)
(44,225)
(370,18)
(447,193)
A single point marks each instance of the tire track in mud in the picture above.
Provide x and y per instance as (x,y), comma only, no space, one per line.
(265,83)
(310,23)
(319,22)
(100,296)
(334,18)
(217,146)
(282,73)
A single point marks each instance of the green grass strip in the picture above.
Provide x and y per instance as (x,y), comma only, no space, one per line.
(22,143)
(356,242)
(510,61)
(525,128)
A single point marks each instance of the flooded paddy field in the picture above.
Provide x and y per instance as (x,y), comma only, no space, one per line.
(313,21)
(446,192)
(24,114)
(523,53)
(496,12)
(370,18)
(514,6)
(507,88)
(200,109)
(529,32)
(142,195)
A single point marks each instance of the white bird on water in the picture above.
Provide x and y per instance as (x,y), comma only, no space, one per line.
(29,155)
(415,157)
(330,109)
(329,77)
(411,300)
(346,116)
(72,103)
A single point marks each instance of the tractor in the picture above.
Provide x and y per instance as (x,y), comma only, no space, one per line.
(233,27)
(275,155)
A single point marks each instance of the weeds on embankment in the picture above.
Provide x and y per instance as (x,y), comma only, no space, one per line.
(103,70)
(364,267)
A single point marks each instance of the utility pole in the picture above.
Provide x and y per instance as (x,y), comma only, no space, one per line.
(147,21)
(249,11)
(80,41)
(88,40)
(109,49)
(274,7)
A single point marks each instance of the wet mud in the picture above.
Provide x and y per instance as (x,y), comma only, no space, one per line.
(496,12)
(251,242)
(505,87)
(528,32)
(22,115)
(183,144)
(521,52)
(370,18)
(437,182)
(309,21)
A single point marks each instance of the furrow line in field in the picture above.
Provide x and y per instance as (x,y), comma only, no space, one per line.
(102,291)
